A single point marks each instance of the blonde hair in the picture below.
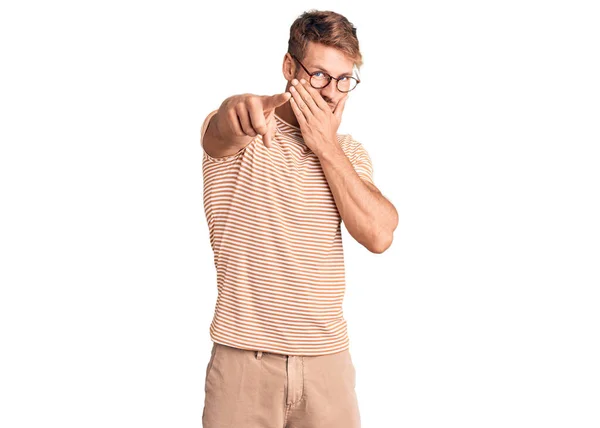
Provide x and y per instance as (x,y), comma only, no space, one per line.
(328,28)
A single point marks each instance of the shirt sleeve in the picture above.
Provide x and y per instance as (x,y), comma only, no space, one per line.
(361,161)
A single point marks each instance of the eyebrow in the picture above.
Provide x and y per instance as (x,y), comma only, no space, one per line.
(319,68)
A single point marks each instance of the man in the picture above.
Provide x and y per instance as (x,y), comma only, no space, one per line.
(278,180)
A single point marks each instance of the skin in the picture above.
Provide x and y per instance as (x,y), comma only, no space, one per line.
(239,119)
(332,60)
(369,217)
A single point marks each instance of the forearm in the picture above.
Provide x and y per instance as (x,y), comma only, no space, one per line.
(369,217)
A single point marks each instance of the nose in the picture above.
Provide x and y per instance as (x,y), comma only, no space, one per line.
(329,92)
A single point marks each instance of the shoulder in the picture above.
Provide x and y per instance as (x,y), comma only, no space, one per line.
(347,142)
(351,147)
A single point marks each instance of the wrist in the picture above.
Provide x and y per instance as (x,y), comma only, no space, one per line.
(329,150)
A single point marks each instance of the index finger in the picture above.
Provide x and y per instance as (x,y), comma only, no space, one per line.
(272,101)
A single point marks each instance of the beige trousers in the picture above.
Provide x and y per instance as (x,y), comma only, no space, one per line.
(253,389)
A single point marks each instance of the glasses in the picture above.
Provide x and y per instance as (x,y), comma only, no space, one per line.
(319,79)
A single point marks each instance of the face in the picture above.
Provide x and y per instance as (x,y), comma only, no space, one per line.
(325,59)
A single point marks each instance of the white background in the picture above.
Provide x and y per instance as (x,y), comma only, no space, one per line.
(482,122)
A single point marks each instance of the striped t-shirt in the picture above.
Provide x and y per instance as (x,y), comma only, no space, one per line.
(275,233)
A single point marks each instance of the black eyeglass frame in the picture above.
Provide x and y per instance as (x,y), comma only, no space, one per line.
(326,74)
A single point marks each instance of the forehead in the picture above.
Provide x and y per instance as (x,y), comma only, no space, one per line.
(328,59)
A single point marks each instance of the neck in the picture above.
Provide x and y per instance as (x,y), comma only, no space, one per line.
(286,113)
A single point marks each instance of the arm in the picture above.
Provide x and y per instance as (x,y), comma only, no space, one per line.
(217,144)
(236,123)
(369,217)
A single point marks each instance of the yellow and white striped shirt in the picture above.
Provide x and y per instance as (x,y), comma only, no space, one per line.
(275,233)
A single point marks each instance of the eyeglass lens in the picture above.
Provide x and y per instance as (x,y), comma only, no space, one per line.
(345,84)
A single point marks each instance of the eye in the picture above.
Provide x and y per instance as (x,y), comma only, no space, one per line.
(317,73)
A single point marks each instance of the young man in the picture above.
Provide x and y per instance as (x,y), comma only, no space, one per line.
(278,181)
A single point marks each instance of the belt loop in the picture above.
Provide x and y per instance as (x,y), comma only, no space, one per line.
(258,355)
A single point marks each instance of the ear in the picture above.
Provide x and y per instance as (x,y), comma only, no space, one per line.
(288,67)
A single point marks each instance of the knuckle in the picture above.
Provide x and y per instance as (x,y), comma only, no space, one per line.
(232,114)
(252,100)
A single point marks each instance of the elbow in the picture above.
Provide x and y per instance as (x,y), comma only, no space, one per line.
(382,244)
(394,218)
(383,238)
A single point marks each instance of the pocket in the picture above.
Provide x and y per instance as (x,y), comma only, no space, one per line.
(211,361)
(352,369)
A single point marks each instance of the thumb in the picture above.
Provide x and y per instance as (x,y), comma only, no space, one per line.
(272,101)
